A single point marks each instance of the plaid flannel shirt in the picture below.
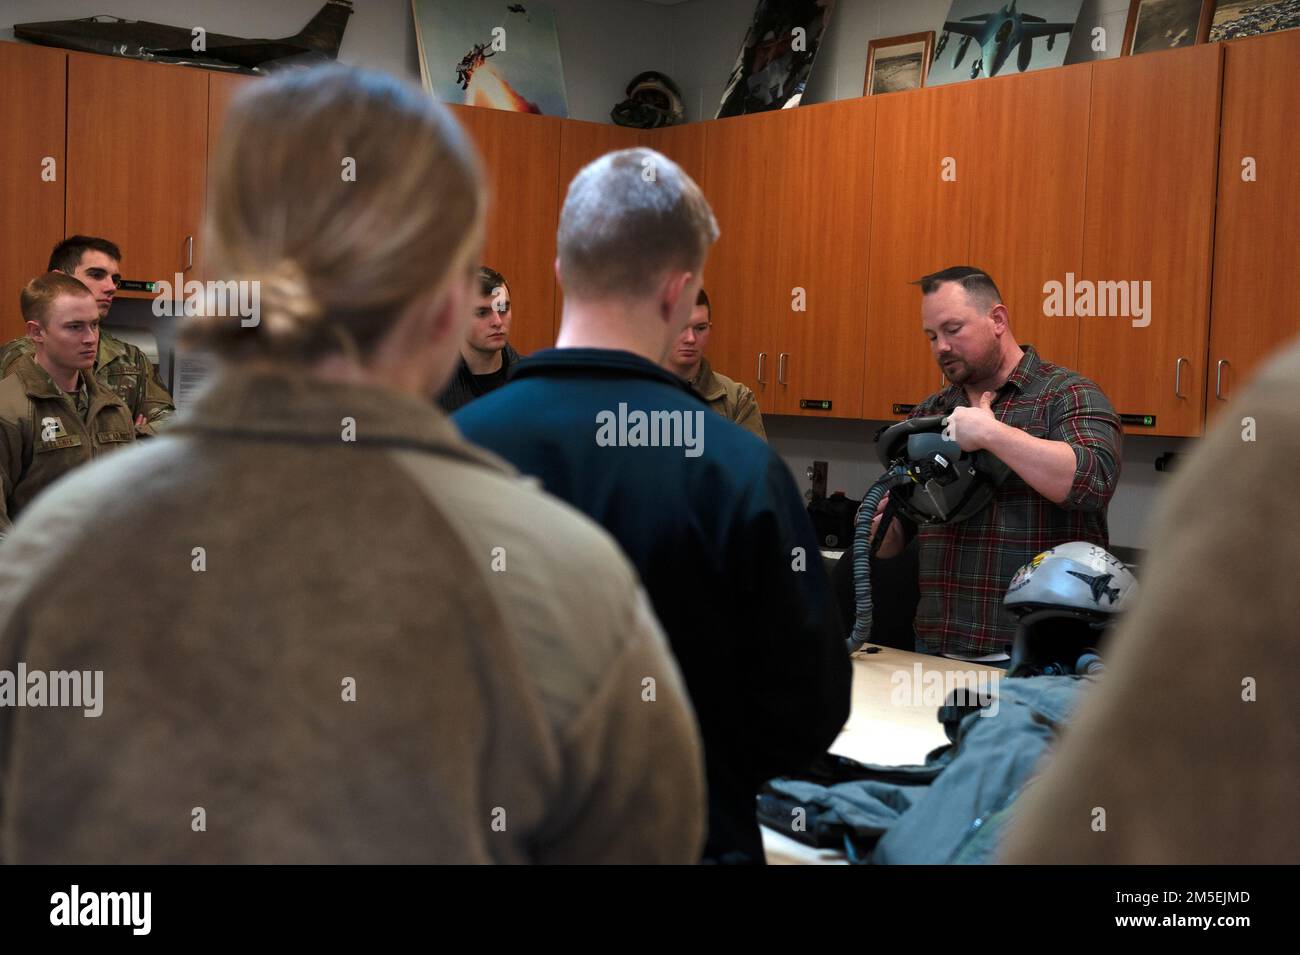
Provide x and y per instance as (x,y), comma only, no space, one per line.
(967,567)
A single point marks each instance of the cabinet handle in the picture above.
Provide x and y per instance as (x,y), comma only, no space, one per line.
(1218,379)
(762,363)
(1178,378)
(189,253)
(780,368)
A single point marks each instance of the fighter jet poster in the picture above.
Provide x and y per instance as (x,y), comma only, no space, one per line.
(984,38)
(487,53)
(776,57)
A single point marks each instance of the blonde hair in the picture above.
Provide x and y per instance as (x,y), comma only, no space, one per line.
(347,195)
(629,217)
(39,294)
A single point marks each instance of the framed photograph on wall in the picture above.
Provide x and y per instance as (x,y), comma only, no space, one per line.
(898,63)
(1238,18)
(1166,24)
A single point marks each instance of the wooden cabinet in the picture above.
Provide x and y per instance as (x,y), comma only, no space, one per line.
(33,172)
(1029,171)
(1149,218)
(684,145)
(137,142)
(823,181)
(1257,226)
(742,169)
(921,215)
(222,88)
(521,156)
(1108,172)
(580,143)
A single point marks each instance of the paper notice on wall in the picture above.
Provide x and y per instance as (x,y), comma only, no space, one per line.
(193,370)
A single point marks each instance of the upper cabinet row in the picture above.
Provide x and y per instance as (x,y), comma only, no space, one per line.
(1138,215)
(1157,186)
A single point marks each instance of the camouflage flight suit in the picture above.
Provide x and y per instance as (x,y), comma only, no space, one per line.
(122,368)
(43,434)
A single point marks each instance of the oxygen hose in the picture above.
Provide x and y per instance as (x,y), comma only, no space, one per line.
(864,546)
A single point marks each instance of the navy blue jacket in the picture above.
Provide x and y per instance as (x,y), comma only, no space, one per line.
(723,544)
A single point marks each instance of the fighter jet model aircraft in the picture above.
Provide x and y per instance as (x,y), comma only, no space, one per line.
(996,35)
(139,39)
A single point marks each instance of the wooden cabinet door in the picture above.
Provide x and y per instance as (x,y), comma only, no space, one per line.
(137,139)
(741,180)
(824,214)
(222,88)
(920,223)
(521,157)
(33,172)
(580,143)
(1149,217)
(684,145)
(1258,221)
(1030,174)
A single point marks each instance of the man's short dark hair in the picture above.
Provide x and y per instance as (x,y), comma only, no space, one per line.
(703,299)
(978,284)
(490,279)
(67,254)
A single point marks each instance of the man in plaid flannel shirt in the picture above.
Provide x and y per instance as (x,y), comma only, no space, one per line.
(1056,431)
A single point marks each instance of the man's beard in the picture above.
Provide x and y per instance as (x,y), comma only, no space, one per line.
(965,371)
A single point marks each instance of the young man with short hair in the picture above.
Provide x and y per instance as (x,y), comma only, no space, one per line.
(120,366)
(485,354)
(729,398)
(709,514)
(54,415)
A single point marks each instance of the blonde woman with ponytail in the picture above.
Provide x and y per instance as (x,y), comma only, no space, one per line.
(340,630)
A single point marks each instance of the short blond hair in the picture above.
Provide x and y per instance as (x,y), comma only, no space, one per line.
(629,217)
(348,195)
(39,294)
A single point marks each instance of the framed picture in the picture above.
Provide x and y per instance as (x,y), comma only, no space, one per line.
(898,63)
(1166,24)
(1238,18)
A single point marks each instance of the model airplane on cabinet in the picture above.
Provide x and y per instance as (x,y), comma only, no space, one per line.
(192,46)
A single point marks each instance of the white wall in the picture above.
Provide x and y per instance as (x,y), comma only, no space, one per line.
(603,43)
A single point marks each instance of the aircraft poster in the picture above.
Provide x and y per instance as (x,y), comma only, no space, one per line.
(491,53)
(772,68)
(987,38)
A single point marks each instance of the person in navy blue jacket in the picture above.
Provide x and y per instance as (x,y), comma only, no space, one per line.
(708,513)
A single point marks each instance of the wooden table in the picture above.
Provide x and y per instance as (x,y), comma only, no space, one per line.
(891,721)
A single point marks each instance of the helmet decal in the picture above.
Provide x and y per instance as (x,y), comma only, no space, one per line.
(1098,585)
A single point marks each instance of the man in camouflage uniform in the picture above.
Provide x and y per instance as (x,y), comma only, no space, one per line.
(120,366)
(731,399)
(54,414)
